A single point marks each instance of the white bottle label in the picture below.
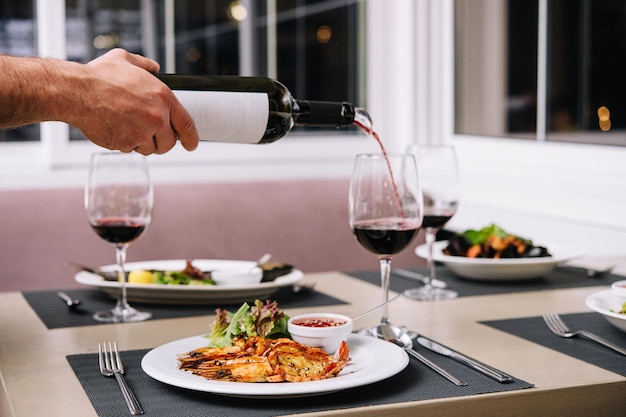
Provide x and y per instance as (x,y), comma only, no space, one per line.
(221,116)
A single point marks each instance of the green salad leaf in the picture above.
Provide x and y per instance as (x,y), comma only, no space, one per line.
(179,278)
(190,275)
(262,319)
(478,237)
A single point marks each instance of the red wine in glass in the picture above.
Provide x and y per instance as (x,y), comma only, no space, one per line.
(118,230)
(435,221)
(384,239)
(438,170)
(385,218)
(118,203)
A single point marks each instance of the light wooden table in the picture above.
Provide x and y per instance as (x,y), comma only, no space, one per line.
(38,381)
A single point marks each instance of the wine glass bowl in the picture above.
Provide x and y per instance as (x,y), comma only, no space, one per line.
(438,171)
(385,210)
(118,203)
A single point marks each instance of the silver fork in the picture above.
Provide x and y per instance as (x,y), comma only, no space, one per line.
(303,287)
(111,365)
(559,328)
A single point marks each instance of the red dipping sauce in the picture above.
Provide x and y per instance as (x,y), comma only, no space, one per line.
(319,322)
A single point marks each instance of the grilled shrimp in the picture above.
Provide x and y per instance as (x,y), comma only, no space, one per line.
(262,360)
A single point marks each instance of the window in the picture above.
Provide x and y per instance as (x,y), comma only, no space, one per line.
(316,47)
(466,71)
(315,53)
(17,29)
(552,72)
(531,78)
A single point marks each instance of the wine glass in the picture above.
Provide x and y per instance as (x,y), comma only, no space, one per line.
(118,202)
(385,205)
(437,166)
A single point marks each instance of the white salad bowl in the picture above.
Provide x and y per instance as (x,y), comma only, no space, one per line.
(504,269)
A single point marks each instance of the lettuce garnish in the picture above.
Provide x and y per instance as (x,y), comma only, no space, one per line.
(478,237)
(262,319)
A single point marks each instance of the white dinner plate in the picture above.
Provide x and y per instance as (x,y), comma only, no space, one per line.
(607,303)
(372,360)
(189,294)
(509,269)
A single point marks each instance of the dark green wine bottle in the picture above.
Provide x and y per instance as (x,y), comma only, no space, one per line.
(253,109)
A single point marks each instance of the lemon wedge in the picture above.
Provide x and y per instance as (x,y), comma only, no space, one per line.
(140,277)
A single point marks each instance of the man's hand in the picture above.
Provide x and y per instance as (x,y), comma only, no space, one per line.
(127,108)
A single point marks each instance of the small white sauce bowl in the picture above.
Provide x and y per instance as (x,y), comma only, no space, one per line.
(237,276)
(328,338)
(618,288)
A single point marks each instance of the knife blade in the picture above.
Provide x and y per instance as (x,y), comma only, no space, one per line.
(490,371)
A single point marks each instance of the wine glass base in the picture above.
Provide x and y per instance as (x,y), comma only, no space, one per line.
(426,294)
(122,315)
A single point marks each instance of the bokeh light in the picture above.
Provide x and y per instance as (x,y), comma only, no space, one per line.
(238,11)
(604,118)
(324,33)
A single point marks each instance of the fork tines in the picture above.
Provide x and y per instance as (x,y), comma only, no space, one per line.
(111,365)
(554,323)
(303,287)
(109,358)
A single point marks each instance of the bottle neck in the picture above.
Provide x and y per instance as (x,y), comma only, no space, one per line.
(323,113)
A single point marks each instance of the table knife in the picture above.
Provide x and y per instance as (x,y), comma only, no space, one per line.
(490,371)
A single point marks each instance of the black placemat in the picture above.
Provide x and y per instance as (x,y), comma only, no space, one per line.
(535,330)
(416,382)
(54,313)
(557,279)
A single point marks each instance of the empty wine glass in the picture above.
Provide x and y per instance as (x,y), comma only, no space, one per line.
(118,202)
(439,179)
(385,206)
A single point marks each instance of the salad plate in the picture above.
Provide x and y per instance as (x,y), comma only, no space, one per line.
(188,294)
(503,269)
(364,368)
(607,303)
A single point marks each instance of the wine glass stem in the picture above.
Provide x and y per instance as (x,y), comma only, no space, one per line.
(120,256)
(430,242)
(385,270)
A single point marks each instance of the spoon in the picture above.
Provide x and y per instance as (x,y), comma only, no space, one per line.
(400,338)
(71,302)
(263,259)
(591,273)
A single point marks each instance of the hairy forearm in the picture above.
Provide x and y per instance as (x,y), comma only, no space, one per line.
(33,90)
(114,100)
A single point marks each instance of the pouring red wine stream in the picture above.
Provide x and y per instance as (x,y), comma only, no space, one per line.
(372,132)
